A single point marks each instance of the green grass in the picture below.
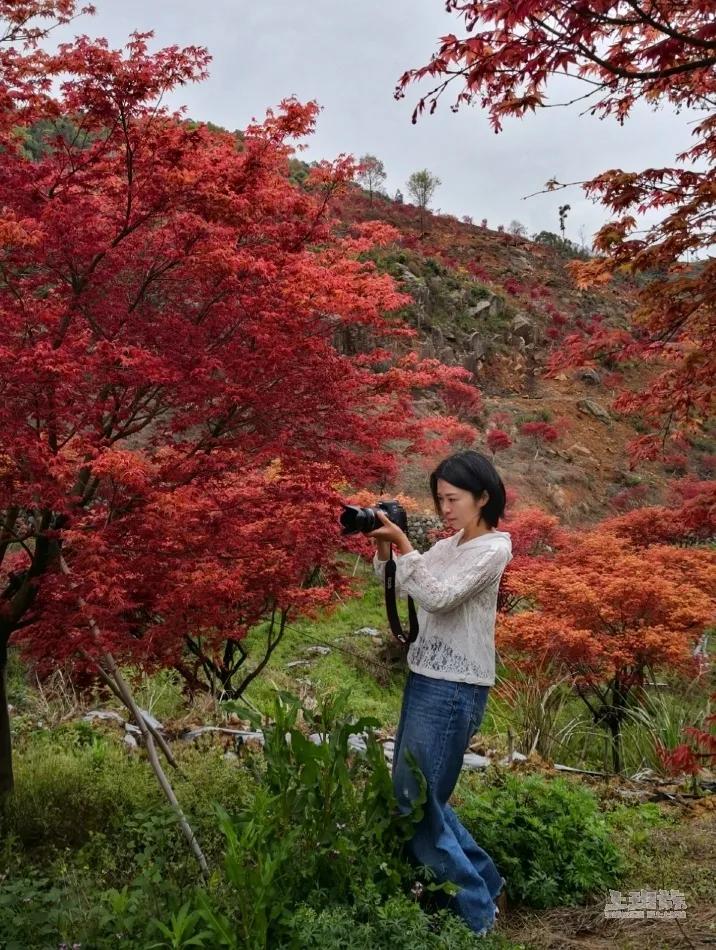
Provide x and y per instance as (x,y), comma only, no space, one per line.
(338,669)
(448,294)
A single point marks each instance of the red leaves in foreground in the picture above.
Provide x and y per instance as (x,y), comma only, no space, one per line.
(697,753)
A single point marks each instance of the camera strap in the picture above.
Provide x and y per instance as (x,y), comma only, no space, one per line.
(392,608)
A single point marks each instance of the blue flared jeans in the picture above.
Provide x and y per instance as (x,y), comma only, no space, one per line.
(437,721)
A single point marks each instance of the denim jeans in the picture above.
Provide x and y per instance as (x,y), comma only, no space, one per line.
(437,720)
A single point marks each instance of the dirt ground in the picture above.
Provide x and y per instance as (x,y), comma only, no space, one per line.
(681,856)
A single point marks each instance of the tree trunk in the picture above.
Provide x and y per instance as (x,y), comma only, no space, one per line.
(6,776)
(614,728)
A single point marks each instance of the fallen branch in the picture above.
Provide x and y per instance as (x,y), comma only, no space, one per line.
(125,694)
(163,744)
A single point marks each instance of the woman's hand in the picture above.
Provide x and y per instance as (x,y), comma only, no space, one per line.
(391,533)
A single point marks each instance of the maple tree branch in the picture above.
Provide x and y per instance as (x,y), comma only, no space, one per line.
(582,695)
(16,32)
(570,102)
(669,31)
(16,540)
(78,166)
(141,424)
(272,644)
(554,186)
(23,594)
(570,38)
(211,670)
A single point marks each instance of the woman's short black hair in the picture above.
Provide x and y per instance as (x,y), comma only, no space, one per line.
(473,472)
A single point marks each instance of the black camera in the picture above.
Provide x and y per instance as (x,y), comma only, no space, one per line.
(355,519)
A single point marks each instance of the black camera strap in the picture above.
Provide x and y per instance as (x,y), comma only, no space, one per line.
(392,608)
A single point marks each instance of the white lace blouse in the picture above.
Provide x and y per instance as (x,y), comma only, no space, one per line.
(454,587)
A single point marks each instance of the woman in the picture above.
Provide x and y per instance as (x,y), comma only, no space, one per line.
(451,667)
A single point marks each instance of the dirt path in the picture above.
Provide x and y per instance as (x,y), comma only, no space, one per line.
(680,857)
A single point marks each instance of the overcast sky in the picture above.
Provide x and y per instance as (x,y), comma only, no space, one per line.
(349,56)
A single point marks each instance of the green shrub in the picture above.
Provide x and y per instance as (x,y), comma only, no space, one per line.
(397,924)
(537,415)
(547,837)
(77,785)
(30,910)
(72,782)
(109,892)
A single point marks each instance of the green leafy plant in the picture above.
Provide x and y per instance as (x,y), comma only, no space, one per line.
(547,837)
(325,824)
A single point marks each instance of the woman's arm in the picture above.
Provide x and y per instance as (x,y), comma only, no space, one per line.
(383,551)
(438,596)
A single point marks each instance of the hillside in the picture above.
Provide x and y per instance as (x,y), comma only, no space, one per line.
(499,304)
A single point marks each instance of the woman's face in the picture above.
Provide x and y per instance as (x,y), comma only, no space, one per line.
(458,507)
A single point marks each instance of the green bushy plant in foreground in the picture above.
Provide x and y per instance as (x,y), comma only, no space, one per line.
(326,823)
(547,836)
(397,924)
(320,826)
(77,782)
(305,840)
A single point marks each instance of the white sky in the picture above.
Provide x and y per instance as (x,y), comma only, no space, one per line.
(349,56)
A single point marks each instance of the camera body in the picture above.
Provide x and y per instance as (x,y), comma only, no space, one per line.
(355,519)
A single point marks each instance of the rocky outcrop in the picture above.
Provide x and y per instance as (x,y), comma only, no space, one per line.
(594,409)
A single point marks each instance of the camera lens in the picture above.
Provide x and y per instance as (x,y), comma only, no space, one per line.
(354,519)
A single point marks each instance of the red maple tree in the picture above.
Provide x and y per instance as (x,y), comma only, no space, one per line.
(177,428)
(540,432)
(624,52)
(497,440)
(608,612)
(696,752)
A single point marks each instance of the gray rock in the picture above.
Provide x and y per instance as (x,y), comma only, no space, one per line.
(594,409)
(318,651)
(473,761)
(357,743)
(590,375)
(356,740)
(470,362)
(104,715)
(497,305)
(367,632)
(295,663)
(524,328)
(132,730)
(478,344)
(150,720)
(130,742)
(479,307)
